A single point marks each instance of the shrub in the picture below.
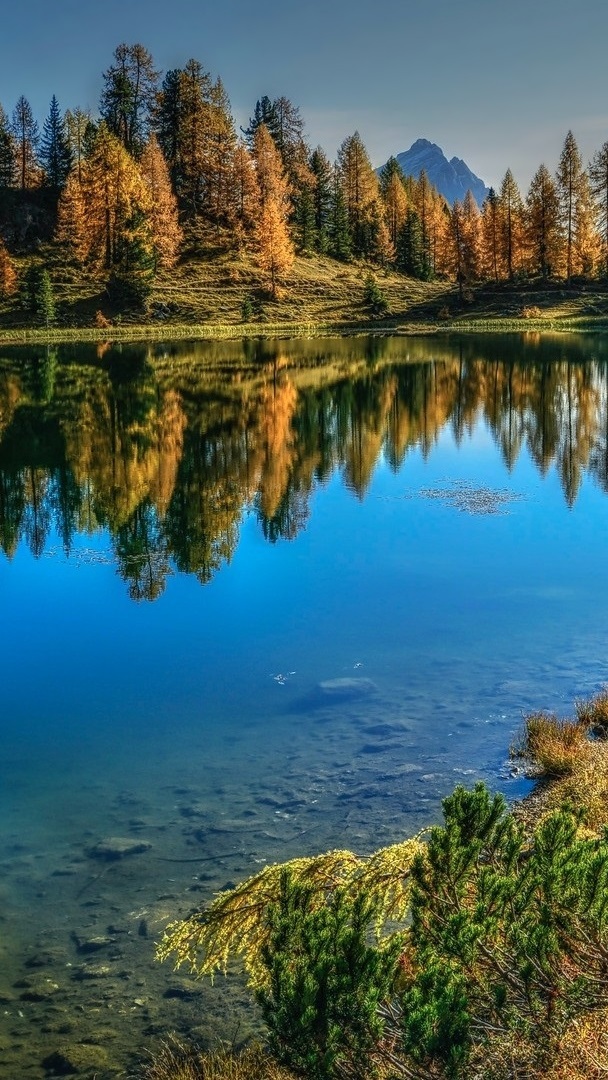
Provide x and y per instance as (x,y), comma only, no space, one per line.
(325,982)
(508,935)
(531,312)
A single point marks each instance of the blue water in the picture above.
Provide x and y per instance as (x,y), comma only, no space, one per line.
(119,716)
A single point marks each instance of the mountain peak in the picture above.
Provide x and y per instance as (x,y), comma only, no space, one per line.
(451,178)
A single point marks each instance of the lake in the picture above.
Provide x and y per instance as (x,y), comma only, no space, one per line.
(261,599)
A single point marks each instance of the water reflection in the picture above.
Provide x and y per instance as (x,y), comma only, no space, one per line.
(165,447)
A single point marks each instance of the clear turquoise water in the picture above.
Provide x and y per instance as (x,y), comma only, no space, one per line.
(119,716)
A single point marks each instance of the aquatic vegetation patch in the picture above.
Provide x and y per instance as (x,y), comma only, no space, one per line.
(469,498)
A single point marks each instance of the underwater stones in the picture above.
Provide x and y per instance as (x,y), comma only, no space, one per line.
(345,689)
(93,944)
(118,847)
(76,1058)
(36,988)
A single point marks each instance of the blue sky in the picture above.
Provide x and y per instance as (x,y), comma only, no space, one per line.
(496,84)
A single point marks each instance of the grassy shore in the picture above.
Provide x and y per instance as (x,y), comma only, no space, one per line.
(204,298)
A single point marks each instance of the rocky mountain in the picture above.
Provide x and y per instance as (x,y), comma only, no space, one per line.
(452,178)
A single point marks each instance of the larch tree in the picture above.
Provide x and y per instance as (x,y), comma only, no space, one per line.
(163,218)
(471,238)
(244,194)
(7,152)
(73,234)
(511,225)
(55,153)
(542,223)
(395,204)
(129,95)
(273,244)
(361,191)
(116,199)
(569,182)
(8,274)
(26,135)
(598,176)
(587,242)
(490,235)
(218,157)
(422,199)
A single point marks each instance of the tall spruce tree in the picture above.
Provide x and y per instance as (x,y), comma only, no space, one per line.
(7,152)
(598,176)
(321,169)
(129,95)
(55,153)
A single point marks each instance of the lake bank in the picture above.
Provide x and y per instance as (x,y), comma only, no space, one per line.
(205,299)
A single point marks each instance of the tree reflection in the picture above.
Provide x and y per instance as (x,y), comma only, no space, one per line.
(168,455)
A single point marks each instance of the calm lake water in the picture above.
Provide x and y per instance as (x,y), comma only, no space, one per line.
(196,538)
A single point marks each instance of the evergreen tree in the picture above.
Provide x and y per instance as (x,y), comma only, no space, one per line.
(598,175)
(410,252)
(79,133)
(340,237)
(25,133)
(132,277)
(7,152)
(263,113)
(321,169)
(38,294)
(325,982)
(55,153)
(167,122)
(129,95)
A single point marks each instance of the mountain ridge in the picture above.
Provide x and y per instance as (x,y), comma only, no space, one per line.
(452,178)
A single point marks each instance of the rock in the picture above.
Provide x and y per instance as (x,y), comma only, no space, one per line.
(76,1058)
(347,688)
(117,847)
(93,944)
(91,971)
(36,988)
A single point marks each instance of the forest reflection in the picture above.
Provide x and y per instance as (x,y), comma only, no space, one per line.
(166,447)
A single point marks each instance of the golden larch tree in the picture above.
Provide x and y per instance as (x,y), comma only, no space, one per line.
(273,244)
(8,274)
(569,188)
(72,233)
(542,221)
(162,217)
(115,195)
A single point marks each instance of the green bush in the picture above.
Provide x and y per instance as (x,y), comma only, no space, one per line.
(326,982)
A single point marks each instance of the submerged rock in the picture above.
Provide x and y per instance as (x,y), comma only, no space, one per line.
(117,847)
(76,1058)
(346,688)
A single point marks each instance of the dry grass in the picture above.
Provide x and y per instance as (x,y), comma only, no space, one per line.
(593,713)
(176,1060)
(557,747)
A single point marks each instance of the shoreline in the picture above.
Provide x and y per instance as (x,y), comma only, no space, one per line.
(142,332)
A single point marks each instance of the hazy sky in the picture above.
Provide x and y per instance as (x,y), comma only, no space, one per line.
(498,84)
